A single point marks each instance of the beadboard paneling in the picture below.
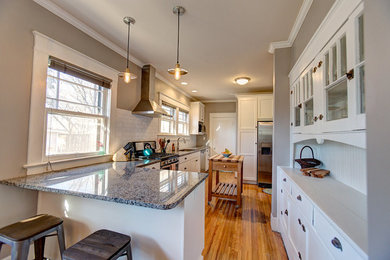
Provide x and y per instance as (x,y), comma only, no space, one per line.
(346,163)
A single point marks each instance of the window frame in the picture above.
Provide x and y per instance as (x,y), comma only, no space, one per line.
(179,107)
(44,47)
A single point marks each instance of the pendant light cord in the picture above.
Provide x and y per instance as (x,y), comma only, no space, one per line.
(178,35)
(128,43)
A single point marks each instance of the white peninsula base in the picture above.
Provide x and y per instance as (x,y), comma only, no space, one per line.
(176,233)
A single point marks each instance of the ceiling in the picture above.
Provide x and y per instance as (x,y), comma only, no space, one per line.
(220,39)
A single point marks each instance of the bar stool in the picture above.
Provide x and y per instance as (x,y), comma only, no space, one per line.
(35,229)
(101,245)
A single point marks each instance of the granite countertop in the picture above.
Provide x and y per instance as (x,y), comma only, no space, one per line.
(191,150)
(120,182)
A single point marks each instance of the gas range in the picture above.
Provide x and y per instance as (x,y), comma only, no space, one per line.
(167,160)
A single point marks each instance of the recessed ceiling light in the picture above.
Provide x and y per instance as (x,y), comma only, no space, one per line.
(184,83)
(242,80)
(194,91)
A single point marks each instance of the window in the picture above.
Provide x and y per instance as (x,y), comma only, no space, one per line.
(178,120)
(183,123)
(168,123)
(76,111)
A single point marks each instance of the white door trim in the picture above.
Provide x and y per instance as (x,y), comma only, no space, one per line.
(213,116)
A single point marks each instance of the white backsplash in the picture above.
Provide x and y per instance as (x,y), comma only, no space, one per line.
(128,127)
(346,163)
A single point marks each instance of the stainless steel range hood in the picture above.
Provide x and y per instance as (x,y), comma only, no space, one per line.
(147,106)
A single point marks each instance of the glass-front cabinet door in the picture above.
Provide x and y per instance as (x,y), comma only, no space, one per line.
(296,107)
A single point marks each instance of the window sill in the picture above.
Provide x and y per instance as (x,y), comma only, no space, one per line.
(35,168)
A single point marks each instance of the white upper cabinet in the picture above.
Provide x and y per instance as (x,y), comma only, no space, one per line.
(197,115)
(328,95)
(265,104)
(247,112)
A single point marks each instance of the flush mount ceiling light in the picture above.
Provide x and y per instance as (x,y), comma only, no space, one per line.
(177,71)
(242,80)
(184,83)
(126,75)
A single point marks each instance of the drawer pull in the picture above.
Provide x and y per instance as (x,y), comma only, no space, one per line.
(299,255)
(286,212)
(281,190)
(153,167)
(299,221)
(185,168)
(299,198)
(224,166)
(284,179)
(303,228)
(337,244)
(185,158)
(281,212)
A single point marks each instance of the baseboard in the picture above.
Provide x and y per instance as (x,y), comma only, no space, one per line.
(274,223)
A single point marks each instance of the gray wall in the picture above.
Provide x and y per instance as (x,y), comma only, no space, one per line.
(377,42)
(18,18)
(317,12)
(281,134)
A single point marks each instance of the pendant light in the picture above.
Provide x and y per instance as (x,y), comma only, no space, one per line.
(177,71)
(126,75)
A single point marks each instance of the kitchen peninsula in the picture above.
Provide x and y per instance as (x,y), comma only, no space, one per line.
(162,210)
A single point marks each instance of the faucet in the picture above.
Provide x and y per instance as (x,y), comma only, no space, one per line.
(178,142)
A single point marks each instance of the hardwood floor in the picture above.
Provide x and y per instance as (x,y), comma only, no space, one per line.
(243,233)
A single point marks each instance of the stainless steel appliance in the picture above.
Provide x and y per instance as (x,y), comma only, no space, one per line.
(168,161)
(264,154)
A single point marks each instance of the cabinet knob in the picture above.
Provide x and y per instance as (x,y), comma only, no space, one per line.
(284,179)
(153,167)
(281,190)
(320,117)
(224,166)
(299,221)
(300,105)
(337,244)
(281,212)
(185,158)
(291,124)
(315,119)
(286,212)
(319,64)
(185,168)
(303,228)
(299,198)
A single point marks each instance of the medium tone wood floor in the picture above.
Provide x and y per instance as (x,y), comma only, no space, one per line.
(243,233)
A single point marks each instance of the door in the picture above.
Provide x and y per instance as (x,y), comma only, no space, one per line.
(223,127)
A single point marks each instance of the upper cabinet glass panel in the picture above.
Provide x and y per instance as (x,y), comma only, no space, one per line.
(309,112)
(361,38)
(337,101)
(326,70)
(343,55)
(360,66)
(334,63)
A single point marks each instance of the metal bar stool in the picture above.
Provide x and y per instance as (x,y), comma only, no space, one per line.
(101,245)
(35,229)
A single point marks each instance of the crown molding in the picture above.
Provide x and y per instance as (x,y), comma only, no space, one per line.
(58,11)
(295,29)
(219,101)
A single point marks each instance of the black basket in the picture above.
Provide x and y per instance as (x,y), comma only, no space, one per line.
(307,162)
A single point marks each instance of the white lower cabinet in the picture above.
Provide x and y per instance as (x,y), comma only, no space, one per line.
(190,162)
(306,231)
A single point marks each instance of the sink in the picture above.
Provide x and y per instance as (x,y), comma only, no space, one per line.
(187,149)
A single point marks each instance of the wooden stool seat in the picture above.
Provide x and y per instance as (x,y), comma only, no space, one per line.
(35,229)
(103,244)
(30,227)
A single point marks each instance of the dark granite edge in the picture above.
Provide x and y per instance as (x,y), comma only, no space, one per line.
(107,198)
(196,149)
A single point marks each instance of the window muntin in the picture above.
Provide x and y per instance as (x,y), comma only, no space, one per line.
(183,123)
(76,116)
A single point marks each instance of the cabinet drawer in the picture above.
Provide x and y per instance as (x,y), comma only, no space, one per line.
(189,157)
(221,166)
(337,245)
(302,202)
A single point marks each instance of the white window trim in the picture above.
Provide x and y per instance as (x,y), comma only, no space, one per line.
(178,105)
(43,48)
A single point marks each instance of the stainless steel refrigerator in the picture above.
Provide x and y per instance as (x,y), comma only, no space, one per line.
(264,154)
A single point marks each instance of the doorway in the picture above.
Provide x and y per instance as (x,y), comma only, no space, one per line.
(223,127)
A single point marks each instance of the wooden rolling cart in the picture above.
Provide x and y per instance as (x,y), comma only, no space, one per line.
(232,191)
